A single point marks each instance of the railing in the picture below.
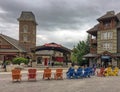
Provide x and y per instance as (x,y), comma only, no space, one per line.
(93,50)
(93,41)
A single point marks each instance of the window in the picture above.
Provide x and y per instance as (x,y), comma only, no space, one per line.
(107,25)
(107,46)
(106,35)
(25,28)
(25,39)
(110,35)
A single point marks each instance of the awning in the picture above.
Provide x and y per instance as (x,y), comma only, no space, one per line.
(105,57)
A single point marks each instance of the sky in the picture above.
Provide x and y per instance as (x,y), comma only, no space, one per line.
(61,21)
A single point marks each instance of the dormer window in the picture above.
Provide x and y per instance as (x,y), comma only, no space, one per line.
(25,28)
(107,24)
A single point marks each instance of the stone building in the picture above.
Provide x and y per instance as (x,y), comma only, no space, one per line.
(105,40)
(11,48)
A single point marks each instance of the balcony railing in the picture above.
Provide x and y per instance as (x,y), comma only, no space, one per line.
(93,50)
(93,41)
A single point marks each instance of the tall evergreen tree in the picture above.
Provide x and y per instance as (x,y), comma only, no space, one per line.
(79,51)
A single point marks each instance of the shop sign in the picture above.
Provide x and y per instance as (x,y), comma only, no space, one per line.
(5,46)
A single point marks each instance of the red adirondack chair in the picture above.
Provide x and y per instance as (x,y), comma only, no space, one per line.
(58,74)
(16,74)
(101,73)
(32,74)
(47,73)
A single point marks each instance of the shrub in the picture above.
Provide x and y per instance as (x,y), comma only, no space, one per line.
(8,62)
(58,63)
(20,60)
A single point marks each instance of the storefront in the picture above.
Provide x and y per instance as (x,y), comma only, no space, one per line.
(50,53)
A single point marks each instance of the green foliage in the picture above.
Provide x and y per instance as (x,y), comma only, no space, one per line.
(20,60)
(79,51)
(7,62)
(58,63)
(73,57)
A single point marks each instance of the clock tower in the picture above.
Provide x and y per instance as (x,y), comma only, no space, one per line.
(27,30)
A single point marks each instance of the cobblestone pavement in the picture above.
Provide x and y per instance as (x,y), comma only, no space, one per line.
(93,84)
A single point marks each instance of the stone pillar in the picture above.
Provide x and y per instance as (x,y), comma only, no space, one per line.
(90,62)
(114,62)
(34,63)
(99,62)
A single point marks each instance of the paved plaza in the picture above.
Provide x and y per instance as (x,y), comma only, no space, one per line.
(93,84)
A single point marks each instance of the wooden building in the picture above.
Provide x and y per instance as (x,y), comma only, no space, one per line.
(105,40)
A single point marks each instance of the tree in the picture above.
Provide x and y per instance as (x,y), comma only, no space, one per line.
(79,51)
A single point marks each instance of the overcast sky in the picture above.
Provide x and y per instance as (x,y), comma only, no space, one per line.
(61,21)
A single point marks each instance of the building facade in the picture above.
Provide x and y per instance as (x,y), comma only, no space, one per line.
(11,48)
(50,53)
(104,40)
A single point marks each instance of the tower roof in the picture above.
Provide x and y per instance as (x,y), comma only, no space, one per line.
(27,16)
(109,14)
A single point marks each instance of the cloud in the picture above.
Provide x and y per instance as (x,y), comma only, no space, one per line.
(60,21)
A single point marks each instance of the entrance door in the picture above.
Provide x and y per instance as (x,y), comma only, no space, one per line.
(46,62)
(39,60)
(106,60)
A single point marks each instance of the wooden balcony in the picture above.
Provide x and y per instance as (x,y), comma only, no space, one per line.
(93,41)
(93,50)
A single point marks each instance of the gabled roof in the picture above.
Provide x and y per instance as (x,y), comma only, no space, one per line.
(13,42)
(118,16)
(52,46)
(94,30)
(109,14)
(27,16)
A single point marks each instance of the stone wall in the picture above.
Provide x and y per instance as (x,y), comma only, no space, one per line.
(113,41)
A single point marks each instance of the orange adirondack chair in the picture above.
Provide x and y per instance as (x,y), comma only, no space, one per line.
(16,74)
(32,74)
(58,74)
(47,73)
(101,73)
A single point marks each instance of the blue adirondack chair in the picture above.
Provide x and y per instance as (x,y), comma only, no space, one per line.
(70,73)
(79,73)
(92,71)
(87,72)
